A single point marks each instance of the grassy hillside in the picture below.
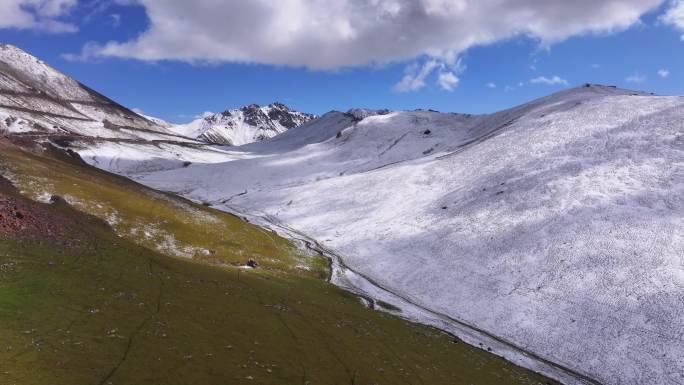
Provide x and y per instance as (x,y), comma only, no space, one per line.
(83,302)
(166,223)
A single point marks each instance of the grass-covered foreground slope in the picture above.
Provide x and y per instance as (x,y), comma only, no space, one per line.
(166,223)
(80,304)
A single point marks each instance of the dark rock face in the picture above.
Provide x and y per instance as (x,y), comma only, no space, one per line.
(277,112)
(359,114)
(252,263)
(254,116)
(210,137)
(283,116)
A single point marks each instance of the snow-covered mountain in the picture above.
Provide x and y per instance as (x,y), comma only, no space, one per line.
(37,99)
(248,124)
(551,232)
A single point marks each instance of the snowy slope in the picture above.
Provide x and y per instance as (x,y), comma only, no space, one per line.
(36,98)
(248,124)
(158,121)
(556,226)
(130,158)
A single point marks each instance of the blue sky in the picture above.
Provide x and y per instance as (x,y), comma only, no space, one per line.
(645,55)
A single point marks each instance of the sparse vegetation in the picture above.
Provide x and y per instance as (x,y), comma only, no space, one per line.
(108,309)
(156,220)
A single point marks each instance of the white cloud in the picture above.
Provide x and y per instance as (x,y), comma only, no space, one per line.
(490,85)
(663,73)
(322,34)
(554,80)
(416,75)
(37,14)
(448,81)
(636,78)
(675,16)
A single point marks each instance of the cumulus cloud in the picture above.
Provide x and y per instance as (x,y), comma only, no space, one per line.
(36,14)
(663,73)
(554,80)
(416,75)
(490,85)
(448,81)
(321,34)
(675,15)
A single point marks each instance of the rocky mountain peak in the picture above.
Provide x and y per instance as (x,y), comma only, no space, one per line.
(279,106)
(250,107)
(247,124)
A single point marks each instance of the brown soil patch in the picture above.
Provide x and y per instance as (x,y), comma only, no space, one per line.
(24,219)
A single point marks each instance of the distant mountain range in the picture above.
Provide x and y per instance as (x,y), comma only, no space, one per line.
(38,99)
(245,125)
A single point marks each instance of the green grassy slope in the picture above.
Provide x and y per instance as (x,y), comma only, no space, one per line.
(156,220)
(80,304)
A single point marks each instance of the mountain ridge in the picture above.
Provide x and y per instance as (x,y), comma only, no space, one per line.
(244,125)
(37,98)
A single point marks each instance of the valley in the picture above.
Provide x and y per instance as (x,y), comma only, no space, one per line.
(96,303)
(106,281)
(366,246)
(562,215)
